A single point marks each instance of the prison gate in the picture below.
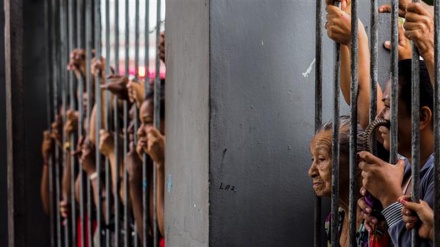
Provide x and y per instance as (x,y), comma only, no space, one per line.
(237,132)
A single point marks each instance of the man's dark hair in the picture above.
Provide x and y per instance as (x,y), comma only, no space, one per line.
(405,89)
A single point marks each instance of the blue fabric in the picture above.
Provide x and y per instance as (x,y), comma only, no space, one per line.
(398,233)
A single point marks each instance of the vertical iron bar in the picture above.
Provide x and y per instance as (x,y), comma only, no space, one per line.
(146,159)
(436,240)
(64,77)
(96,20)
(136,64)
(56,80)
(49,86)
(374,33)
(353,123)
(127,229)
(108,180)
(335,150)
(81,44)
(136,74)
(127,74)
(415,135)
(157,107)
(117,36)
(127,39)
(89,43)
(394,81)
(117,182)
(136,40)
(318,112)
(73,108)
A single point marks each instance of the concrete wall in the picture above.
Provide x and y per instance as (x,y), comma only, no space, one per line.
(259,57)
(187,111)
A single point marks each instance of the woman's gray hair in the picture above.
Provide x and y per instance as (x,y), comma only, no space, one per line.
(344,134)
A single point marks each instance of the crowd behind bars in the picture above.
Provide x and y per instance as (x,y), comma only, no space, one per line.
(385,213)
(138,93)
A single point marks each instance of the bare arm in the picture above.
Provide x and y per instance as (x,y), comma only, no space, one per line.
(136,199)
(339,29)
(66,180)
(363,103)
(44,189)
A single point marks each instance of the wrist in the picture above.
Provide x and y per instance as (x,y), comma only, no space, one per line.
(90,172)
(93,176)
(388,200)
(428,56)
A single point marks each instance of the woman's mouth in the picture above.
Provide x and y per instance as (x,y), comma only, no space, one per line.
(316,184)
(142,143)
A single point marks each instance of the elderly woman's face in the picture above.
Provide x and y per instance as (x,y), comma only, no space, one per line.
(321,169)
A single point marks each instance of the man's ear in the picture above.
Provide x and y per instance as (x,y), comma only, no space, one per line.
(425,118)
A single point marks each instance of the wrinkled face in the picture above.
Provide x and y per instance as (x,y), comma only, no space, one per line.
(321,169)
(404,124)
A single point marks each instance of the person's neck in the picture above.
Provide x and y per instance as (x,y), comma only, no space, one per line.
(426,148)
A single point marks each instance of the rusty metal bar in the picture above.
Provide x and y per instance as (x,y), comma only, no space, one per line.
(80,35)
(73,108)
(89,44)
(81,133)
(436,240)
(157,106)
(335,149)
(127,74)
(96,20)
(146,159)
(64,80)
(374,34)
(415,135)
(353,124)
(318,113)
(394,81)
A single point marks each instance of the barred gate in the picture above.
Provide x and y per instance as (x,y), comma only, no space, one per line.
(415,166)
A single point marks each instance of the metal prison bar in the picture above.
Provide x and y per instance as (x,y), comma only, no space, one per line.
(318,112)
(415,141)
(335,151)
(353,127)
(77,24)
(415,84)
(436,124)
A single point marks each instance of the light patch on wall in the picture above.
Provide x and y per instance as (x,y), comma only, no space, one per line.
(309,69)
(169,183)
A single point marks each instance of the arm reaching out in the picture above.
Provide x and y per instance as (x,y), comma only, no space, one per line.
(339,29)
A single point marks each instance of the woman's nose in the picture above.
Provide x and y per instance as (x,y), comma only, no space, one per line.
(312,170)
(140,131)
